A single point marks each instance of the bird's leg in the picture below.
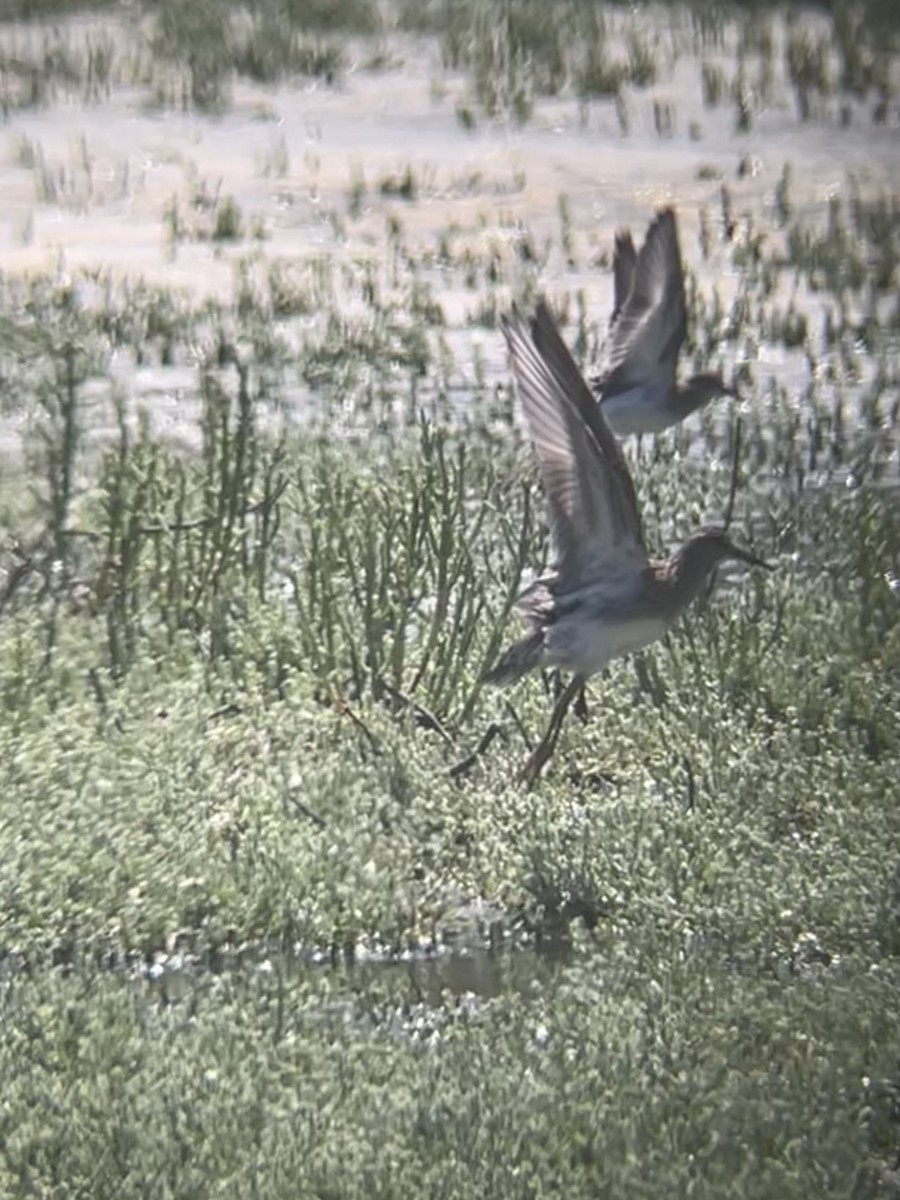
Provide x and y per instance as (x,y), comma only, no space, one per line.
(547,744)
(580,709)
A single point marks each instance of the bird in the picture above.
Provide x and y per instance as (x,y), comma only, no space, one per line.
(638,390)
(603,597)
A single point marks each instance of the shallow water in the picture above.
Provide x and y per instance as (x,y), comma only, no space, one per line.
(431,979)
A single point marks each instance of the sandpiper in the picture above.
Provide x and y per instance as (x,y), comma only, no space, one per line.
(604,597)
(638,391)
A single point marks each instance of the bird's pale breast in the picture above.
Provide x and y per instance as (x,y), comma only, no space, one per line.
(584,644)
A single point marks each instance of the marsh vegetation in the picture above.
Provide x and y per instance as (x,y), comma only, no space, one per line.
(265,506)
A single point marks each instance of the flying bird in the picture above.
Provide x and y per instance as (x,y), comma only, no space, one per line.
(638,391)
(603,597)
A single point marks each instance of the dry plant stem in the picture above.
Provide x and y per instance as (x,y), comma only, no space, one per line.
(343,709)
(517,721)
(16,577)
(732,493)
(465,765)
(259,506)
(304,810)
(423,715)
(735,464)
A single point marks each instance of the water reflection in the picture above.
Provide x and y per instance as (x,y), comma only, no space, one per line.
(433,979)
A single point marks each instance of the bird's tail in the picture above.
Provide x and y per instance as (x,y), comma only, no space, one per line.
(522,656)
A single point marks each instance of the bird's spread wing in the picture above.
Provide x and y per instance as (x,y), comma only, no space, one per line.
(624,262)
(593,509)
(651,326)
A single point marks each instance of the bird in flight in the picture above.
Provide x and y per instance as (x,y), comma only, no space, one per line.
(638,391)
(603,597)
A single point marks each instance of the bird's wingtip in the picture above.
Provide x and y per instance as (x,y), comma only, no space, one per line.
(543,317)
(511,323)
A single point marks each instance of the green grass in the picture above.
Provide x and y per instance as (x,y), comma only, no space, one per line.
(232,691)
(248,760)
(652,1075)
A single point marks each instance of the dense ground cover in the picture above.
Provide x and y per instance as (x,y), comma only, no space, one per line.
(247,759)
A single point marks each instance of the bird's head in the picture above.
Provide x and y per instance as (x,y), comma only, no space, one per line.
(707,385)
(703,550)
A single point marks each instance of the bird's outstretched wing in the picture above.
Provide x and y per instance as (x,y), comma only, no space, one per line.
(624,263)
(593,509)
(651,325)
